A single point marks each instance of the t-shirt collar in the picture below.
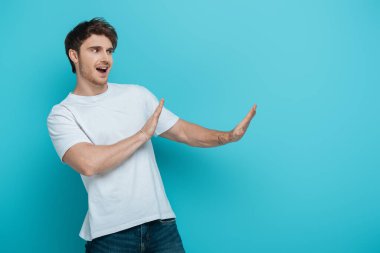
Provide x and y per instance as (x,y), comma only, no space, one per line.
(89,99)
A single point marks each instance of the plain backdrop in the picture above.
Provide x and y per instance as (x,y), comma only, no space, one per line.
(305,178)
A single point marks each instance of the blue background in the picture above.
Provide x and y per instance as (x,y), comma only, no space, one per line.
(305,178)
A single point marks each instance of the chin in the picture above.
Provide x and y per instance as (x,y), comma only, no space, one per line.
(100,82)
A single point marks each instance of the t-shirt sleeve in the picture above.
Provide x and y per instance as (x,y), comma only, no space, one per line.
(167,118)
(64,131)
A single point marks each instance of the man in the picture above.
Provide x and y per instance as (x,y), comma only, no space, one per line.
(103,130)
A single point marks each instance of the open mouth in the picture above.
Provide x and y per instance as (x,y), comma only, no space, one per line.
(102,69)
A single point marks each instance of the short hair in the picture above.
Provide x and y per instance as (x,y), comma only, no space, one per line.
(84,30)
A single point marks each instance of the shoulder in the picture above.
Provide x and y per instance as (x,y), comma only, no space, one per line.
(59,109)
(59,113)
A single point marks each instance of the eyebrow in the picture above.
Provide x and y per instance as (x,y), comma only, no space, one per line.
(99,47)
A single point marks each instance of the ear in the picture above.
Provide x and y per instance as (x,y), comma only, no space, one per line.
(73,56)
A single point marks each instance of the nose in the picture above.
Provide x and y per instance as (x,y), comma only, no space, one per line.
(105,56)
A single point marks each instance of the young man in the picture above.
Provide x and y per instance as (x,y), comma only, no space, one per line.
(103,130)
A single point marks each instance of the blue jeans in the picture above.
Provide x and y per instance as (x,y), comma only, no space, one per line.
(159,236)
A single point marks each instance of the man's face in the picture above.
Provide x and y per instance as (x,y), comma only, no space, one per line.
(95,59)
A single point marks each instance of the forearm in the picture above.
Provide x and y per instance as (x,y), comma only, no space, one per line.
(102,158)
(199,136)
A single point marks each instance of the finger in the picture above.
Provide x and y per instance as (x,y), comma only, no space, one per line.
(247,119)
(253,110)
(249,115)
(158,110)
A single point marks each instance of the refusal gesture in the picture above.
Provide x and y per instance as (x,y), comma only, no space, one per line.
(151,123)
(238,132)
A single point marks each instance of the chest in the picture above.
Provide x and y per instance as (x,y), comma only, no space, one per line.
(107,123)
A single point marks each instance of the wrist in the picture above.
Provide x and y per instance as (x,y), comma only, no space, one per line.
(143,135)
(229,137)
(225,138)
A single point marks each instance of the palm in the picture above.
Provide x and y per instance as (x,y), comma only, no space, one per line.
(151,124)
(238,132)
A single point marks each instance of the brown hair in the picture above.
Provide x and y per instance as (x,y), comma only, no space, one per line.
(84,30)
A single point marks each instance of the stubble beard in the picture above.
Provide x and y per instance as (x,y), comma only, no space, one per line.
(86,74)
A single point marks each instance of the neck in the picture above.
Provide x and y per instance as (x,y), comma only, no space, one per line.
(86,88)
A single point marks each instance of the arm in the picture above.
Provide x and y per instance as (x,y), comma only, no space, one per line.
(89,159)
(198,136)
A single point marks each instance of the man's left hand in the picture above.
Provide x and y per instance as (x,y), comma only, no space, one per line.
(238,132)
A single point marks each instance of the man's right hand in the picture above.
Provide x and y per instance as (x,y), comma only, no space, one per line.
(151,123)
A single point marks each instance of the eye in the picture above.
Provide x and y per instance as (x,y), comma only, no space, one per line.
(110,51)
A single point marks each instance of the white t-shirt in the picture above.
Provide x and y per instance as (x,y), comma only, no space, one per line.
(132,193)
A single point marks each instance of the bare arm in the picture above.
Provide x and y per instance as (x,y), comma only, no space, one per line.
(89,159)
(198,136)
